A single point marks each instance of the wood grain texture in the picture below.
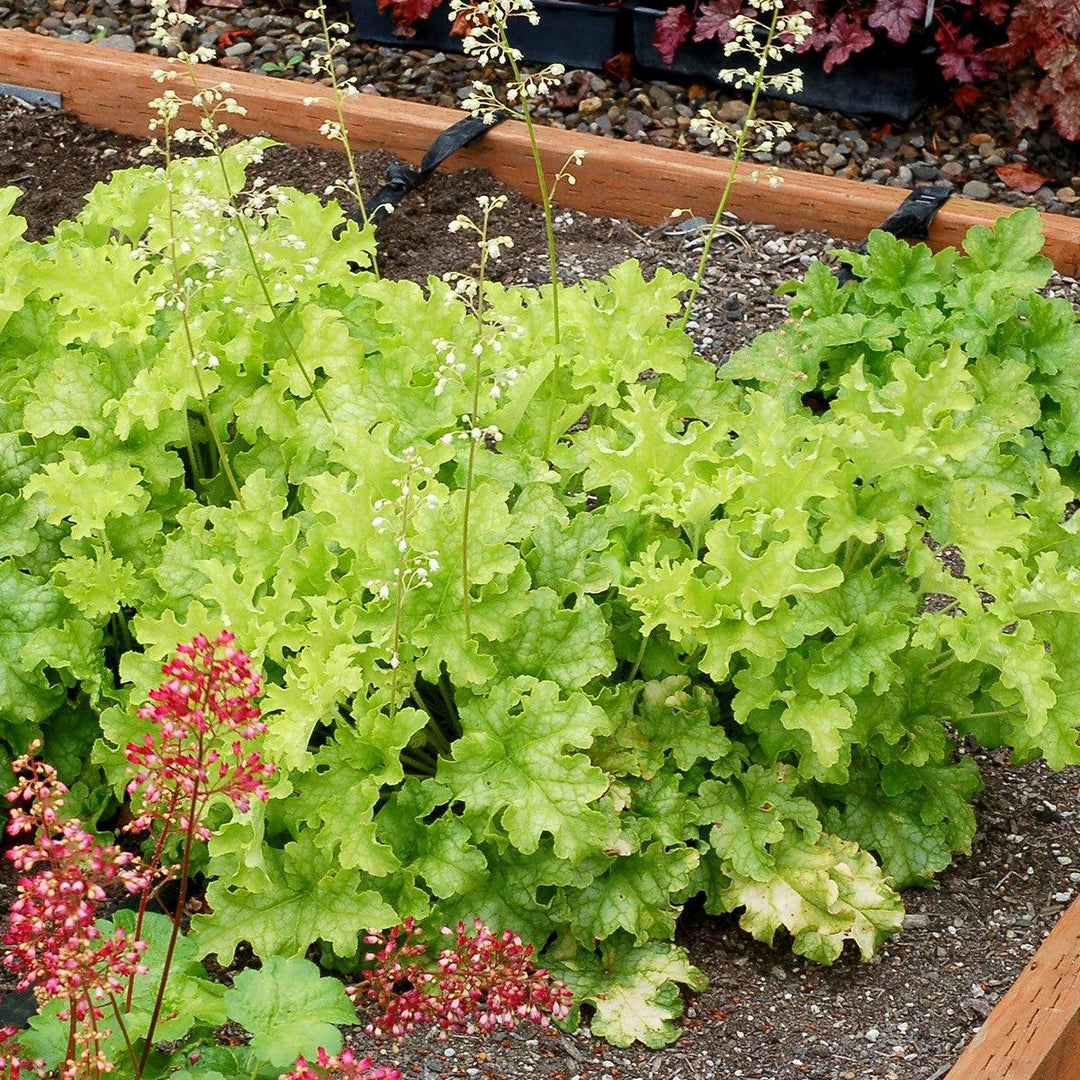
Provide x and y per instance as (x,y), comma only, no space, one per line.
(619,179)
(1034,1032)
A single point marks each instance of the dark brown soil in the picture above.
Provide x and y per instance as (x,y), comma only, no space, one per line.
(766,1015)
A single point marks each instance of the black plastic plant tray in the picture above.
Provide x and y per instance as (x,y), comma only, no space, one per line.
(577,35)
(890,81)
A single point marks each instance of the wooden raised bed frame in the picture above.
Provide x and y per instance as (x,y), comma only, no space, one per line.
(110,89)
(1034,1032)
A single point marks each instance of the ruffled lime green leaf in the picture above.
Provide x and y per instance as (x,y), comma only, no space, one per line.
(438,848)
(751,813)
(511,763)
(289,1009)
(914,819)
(634,991)
(27,605)
(823,894)
(568,646)
(86,495)
(309,898)
(634,894)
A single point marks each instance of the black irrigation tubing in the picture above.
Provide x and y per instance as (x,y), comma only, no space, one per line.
(402,179)
(911,220)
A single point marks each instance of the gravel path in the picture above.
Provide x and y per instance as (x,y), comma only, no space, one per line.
(943,144)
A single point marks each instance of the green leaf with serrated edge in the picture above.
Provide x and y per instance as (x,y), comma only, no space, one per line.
(633,990)
(669,717)
(289,1009)
(190,997)
(1010,250)
(70,654)
(309,898)
(511,762)
(86,495)
(633,893)
(348,779)
(899,273)
(518,891)
(1059,740)
(564,554)
(823,894)
(27,604)
(438,848)
(568,646)
(751,812)
(914,819)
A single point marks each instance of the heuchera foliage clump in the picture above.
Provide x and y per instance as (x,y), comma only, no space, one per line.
(713,649)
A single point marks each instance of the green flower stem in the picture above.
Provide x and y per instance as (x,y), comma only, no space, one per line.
(740,146)
(354,176)
(209,114)
(474,423)
(549,231)
(174,263)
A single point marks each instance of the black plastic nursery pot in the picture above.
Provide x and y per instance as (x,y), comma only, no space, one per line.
(577,35)
(889,81)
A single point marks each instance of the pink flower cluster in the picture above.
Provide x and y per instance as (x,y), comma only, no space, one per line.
(13,1063)
(204,711)
(52,941)
(343,1066)
(483,982)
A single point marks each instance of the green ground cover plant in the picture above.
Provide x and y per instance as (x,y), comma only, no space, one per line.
(557,630)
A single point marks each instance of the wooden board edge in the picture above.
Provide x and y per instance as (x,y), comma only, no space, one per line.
(1033,1033)
(643,183)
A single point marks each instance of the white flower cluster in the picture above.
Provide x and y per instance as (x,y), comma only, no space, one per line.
(766,42)
(167,31)
(415,567)
(486,21)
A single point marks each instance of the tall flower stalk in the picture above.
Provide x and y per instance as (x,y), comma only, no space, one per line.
(333,37)
(210,103)
(473,291)
(487,40)
(201,716)
(763,40)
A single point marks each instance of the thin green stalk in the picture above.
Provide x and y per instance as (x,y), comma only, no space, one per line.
(127,1038)
(174,263)
(400,601)
(259,276)
(354,176)
(942,665)
(474,424)
(740,146)
(549,232)
(637,659)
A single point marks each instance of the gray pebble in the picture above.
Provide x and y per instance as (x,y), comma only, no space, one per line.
(241,48)
(123,42)
(977,189)
(923,171)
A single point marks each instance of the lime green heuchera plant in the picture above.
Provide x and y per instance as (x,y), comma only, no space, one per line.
(675,636)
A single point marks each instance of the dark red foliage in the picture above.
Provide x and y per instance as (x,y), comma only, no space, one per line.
(846,36)
(408,12)
(714,21)
(672,30)
(895,17)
